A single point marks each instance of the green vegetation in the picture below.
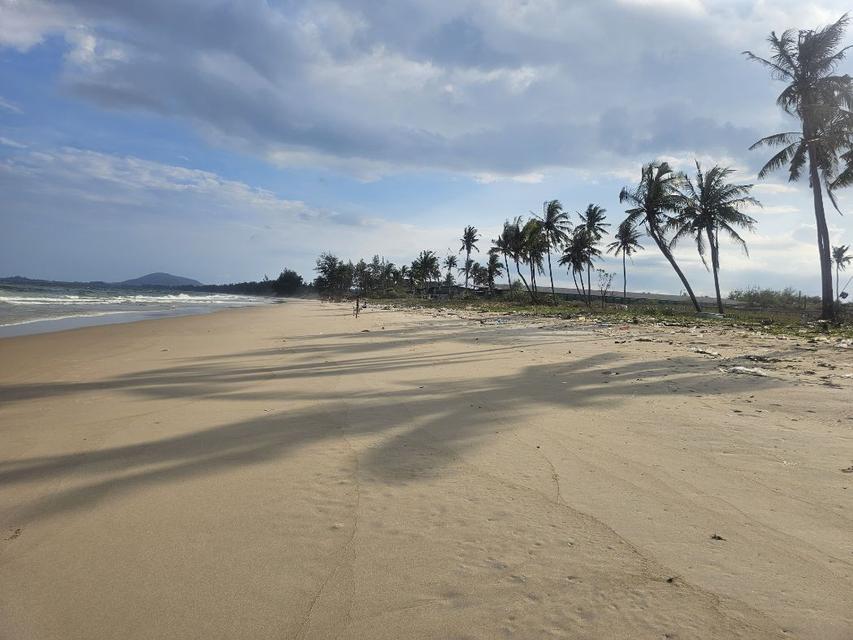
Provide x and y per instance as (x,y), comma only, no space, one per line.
(665,205)
(820,100)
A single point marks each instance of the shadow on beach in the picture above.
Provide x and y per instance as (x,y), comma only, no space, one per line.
(429,421)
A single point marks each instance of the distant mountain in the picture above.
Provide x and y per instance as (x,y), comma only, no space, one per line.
(160,279)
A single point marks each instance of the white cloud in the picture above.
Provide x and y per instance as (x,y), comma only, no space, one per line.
(25,23)
(205,224)
(5,104)
(6,142)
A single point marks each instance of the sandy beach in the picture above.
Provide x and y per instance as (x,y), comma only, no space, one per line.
(289,471)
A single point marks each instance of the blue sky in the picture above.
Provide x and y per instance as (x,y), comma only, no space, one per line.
(226,140)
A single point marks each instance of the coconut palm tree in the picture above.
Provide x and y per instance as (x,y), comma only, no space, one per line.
(593,221)
(572,258)
(500,245)
(516,246)
(626,244)
(556,227)
(806,61)
(449,264)
(494,268)
(535,248)
(706,207)
(841,260)
(652,199)
(470,236)
(425,268)
(405,275)
(578,254)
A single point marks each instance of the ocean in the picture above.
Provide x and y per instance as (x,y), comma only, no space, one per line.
(39,309)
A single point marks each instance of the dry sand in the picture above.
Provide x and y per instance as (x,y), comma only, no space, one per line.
(279,473)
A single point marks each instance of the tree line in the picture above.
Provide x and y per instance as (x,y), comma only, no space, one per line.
(665,205)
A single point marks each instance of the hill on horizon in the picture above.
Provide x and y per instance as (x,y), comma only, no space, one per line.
(160,279)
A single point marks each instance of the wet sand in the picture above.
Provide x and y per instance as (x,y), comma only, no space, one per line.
(292,472)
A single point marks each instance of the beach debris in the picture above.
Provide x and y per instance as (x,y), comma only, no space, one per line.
(15,534)
(365,330)
(717,536)
(748,371)
(760,358)
(707,352)
(848,469)
(642,339)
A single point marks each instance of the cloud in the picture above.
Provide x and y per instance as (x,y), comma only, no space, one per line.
(143,215)
(475,87)
(6,142)
(9,106)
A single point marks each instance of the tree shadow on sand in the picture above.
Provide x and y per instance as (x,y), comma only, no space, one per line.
(444,417)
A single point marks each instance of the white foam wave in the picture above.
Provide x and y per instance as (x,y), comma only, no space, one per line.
(77,300)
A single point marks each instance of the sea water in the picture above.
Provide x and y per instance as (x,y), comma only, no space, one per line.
(37,309)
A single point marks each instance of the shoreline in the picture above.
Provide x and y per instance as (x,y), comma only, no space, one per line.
(66,323)
(291,471)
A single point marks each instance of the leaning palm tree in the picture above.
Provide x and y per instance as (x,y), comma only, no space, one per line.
(626,244)
(470,236)
(517,248)
(579,252)
(821,101)
(706,207)
(841,260)
(593,221)
(556,227)
(534,249)
(500,245)
(653,199)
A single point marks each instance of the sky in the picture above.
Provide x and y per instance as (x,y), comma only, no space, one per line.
(225,140)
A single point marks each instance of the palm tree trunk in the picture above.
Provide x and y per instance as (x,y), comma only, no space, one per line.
(467,266)
(582,290)
(624,280)
(526,286)
(671,259)
(588,284)
(715,266)
(508,277)
(827,301)
(575,278)
(551,275)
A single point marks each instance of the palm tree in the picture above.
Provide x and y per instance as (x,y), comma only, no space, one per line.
(578,254)
(534,249)
(405,274)
(654,196)
(556,227)
(501,245)
(806,60)
(627,243)
(841,260)
(516,249)
(449,264)
(593,221)
(470,236)
(466,268)
(706,207)
(494,268)
(425,268)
